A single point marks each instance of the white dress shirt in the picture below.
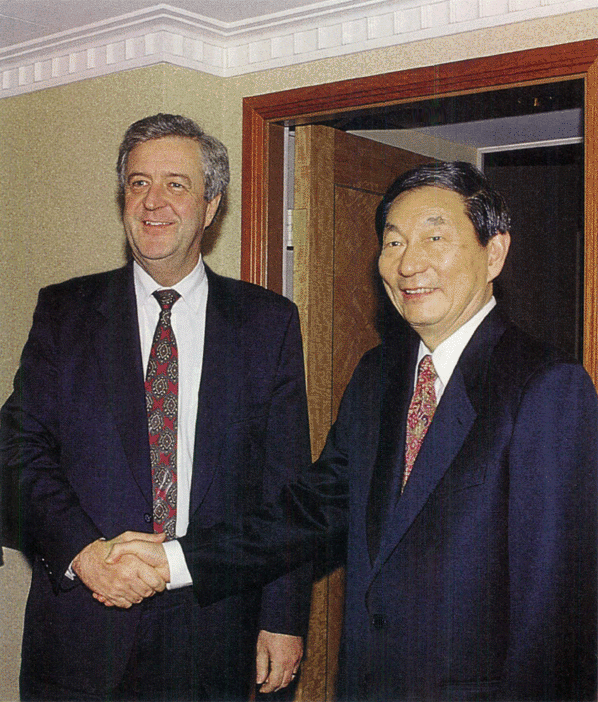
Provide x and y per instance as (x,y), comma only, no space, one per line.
(446,355)
(188,320)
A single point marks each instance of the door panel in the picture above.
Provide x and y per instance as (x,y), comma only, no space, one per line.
(355,303)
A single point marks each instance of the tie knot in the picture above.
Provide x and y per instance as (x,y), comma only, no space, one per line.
(427,372)
(166,298)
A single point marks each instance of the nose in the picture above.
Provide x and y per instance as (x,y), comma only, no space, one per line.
(154,197)
(412,261)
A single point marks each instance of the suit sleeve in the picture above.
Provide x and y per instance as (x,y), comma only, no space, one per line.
(553,537)
(51,522)
(308,522)
(285,602)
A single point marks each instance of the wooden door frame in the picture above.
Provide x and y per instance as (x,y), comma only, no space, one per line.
(262,217)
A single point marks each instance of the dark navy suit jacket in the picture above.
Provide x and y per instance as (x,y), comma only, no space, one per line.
(75,429)
(479,582)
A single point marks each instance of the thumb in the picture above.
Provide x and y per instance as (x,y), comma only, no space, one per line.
(154,538)
(117,550)
(139,536)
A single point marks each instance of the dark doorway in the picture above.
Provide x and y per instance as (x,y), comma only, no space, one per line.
(541,285)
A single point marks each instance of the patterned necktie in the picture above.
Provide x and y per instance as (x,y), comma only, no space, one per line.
(161,395)
(421,411)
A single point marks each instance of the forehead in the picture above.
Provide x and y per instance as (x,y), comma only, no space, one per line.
(428,202)
(172,154)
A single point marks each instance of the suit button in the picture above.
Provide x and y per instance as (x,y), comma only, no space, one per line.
(147,517)
(378,621)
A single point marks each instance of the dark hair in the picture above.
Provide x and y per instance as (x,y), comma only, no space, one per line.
(213,152)
(485,207)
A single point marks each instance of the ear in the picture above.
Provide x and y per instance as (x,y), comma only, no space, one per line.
(211,210)
(498,248)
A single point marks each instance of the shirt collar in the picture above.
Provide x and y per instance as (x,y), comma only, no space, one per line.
(446,355)
(189,288)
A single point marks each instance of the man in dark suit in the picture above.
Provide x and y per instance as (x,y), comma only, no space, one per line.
(462,468)
(224,404)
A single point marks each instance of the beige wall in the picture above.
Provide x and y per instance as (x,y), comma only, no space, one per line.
(57,182)
(57,155)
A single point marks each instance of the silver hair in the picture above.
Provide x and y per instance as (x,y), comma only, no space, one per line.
(214,153)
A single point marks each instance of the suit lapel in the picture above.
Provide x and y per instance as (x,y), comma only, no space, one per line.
(115,332)
(453,420)
(451,424)
(390,456)
(218,389)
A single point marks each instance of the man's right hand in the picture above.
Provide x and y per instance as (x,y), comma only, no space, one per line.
(122,583)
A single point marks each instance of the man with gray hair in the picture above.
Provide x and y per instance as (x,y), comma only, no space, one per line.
(149,398)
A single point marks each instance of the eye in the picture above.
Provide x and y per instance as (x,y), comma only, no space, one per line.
(436,237)
(137,183)
(177,186)
(392,244)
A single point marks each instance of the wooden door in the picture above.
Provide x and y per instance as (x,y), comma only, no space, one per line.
(261,243)
(339,180)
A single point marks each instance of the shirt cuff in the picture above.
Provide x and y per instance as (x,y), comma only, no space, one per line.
(179,573)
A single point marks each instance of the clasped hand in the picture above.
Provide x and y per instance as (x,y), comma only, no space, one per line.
(125,570)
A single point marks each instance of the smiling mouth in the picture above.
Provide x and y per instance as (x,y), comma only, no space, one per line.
(148,223)
(417,291)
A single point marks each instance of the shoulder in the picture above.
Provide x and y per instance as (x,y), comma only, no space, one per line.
(370,374)
(522,365)
(76,291)
(522,356)
(242,299)
(243,291)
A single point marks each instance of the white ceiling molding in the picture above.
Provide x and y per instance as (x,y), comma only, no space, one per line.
(164,34)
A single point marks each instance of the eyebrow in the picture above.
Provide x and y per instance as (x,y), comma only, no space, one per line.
(140,174)
(437,220)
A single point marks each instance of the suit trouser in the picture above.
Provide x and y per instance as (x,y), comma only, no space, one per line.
(163,666)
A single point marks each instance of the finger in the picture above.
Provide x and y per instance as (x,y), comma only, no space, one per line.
(287,676)
(139,579)
(142,549)
(118,601)
(261,665)
(122,603)
(274,680)
(132,579)
(120,549)
(102,600)
(151,578)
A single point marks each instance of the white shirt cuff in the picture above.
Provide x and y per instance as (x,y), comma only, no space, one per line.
(179,573)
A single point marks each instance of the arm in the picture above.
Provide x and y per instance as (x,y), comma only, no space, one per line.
(307,522)
(553,539)
(285,602)
(54,526)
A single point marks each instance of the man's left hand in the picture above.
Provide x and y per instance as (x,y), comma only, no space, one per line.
(277,660)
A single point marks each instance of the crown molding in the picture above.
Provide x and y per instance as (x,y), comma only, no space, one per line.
(164,34)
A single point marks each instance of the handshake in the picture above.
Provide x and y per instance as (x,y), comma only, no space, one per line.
(125,570)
